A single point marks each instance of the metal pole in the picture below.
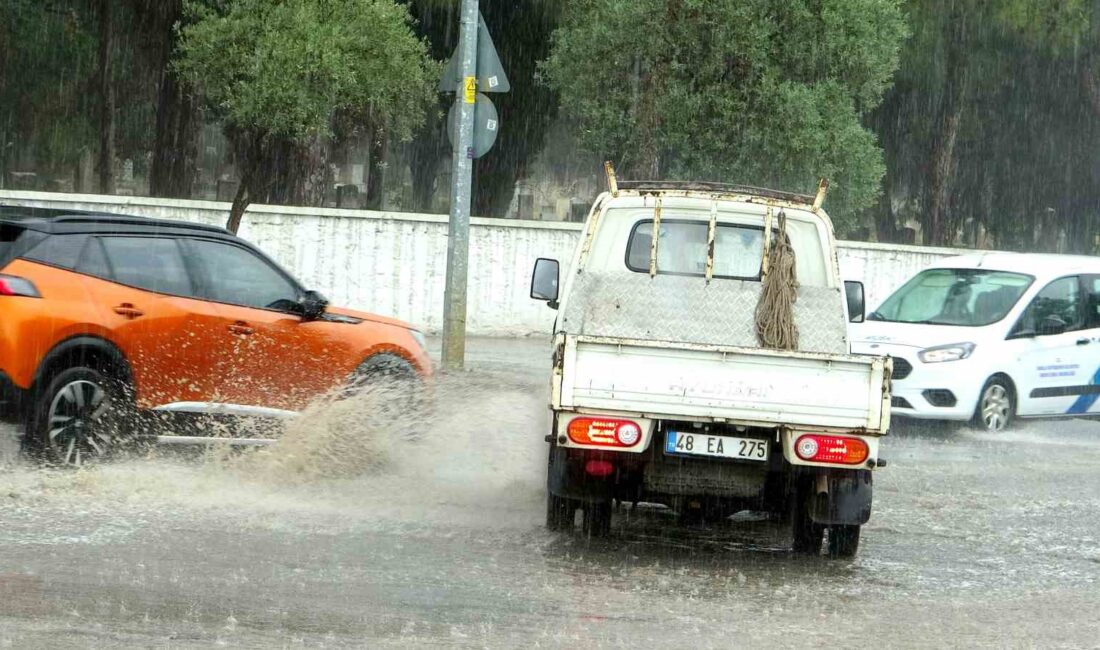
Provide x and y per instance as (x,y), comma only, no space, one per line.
(458,234)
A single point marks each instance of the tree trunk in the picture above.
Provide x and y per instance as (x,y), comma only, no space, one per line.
(886,225)
(291,173)
(175,152)
(376,174)
(425,154)
(106,99)
(240,204)
(937,225)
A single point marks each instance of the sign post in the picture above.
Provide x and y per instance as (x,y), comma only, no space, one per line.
(458,232)
(472,126)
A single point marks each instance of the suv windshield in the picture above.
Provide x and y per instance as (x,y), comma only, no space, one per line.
(967,297)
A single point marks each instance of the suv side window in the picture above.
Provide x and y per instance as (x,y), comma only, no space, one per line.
(93,261)
(152,263)
(1059,300)
(238,276)
(58,250)
(1092,301)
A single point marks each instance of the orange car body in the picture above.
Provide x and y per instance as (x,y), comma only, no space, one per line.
(181,347)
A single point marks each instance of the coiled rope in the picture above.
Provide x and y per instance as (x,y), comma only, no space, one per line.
(775,326)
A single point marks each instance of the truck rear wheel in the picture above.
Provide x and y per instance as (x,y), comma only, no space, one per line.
(597,519)
(807,535)
(560,512)
(843,541)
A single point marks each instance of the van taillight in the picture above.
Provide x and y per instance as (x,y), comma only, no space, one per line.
(11,285)
(606,432)
(820,448)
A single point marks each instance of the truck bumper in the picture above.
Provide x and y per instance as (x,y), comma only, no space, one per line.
(838,496)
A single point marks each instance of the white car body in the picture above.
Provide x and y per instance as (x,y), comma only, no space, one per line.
(1051,374)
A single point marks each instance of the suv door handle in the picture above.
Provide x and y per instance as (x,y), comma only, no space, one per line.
(1083,341)
(242,328)
(128,310)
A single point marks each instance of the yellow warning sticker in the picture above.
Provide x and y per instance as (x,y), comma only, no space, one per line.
(471,89)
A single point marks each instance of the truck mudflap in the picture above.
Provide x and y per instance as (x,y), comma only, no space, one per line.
(569,480)
(841,498)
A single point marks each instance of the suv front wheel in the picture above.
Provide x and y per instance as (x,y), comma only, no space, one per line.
(79,417)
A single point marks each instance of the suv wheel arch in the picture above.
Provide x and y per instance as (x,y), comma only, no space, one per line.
(85,350)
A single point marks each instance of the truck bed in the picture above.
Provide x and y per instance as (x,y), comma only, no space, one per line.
(725,383)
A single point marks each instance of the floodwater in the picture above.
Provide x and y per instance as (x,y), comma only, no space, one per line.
(975,540)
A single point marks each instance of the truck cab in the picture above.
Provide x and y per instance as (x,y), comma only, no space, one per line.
(660,390)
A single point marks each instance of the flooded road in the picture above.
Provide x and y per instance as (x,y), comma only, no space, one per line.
(975,540)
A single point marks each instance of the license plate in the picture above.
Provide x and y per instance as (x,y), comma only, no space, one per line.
(701,444)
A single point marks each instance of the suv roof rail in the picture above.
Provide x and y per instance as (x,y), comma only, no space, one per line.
(18,213)
(709,186)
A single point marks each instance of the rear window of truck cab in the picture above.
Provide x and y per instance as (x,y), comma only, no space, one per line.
(682,249)
(738,244)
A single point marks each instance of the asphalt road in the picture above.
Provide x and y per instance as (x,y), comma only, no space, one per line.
(349,536)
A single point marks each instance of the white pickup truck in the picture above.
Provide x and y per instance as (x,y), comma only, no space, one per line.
(660,391)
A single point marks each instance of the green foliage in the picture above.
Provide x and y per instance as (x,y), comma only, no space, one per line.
(287,68)
(1029,135)
(755,91)
(47,57)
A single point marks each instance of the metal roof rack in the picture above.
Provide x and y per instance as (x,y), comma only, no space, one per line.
(707,186)
(656,187)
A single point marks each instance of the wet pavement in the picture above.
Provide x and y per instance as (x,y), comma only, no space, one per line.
(975,541)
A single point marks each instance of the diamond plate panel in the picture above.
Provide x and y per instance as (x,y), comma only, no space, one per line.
(688,310)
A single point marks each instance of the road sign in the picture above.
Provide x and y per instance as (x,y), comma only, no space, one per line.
(490,72)
(486,125)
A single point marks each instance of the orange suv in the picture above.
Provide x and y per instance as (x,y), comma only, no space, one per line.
(103,316)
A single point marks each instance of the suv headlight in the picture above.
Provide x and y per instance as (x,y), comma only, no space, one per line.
(419,336)
(942,353)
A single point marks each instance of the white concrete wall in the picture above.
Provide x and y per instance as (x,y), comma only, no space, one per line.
(394,263)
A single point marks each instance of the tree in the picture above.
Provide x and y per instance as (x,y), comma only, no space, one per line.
(279,74)
(991,122)
(178,115)
(521,31)
(47,66)
(759,91)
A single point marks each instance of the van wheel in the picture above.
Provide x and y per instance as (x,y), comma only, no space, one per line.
(843,541)
(79,418)
(996,405)
(597,519)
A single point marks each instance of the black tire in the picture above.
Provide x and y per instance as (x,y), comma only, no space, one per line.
(560,513)
(996,407)
(597,519)
(843,541)
(82,416)
(806,536)
(396,384)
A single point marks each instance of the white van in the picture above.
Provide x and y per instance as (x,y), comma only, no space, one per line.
(990,337)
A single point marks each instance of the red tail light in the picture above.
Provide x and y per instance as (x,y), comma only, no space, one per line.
(604,432)
(11,285)
(820,448)
(599,468)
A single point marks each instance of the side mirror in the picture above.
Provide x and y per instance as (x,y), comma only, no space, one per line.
(544,281)
(853,291)
(1051,325)
(312,305)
